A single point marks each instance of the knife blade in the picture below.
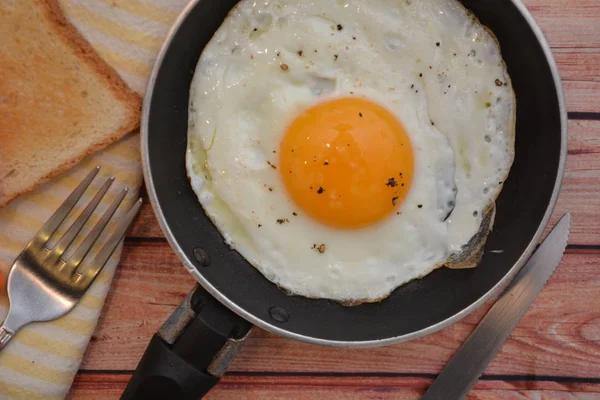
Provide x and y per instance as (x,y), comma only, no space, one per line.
(467,365)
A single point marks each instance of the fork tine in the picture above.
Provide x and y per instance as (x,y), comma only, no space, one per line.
(88,274)
(59,215)
(74,229)
(89,241)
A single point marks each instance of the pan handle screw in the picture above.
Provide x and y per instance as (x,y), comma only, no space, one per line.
(202,257)
(279,314)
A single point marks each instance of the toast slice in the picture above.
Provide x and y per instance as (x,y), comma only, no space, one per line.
(59,101)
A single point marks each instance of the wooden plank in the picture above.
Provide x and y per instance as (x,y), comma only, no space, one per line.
(568,23)
(145,224)
(560,335)
(580,193)
(107,386)
(578,64)
(582,96)
(584,137)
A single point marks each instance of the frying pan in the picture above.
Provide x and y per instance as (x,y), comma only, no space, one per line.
(192,350)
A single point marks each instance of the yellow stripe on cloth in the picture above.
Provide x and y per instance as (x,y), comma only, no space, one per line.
(110,27)
(13,245)
(16,392)
(141,9)
(47,345)
(43,358)
(91,301)
(123,63)
(38,371)
(74,325)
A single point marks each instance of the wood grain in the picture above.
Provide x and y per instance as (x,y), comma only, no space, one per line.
(582,96)
(568,23)
(107,386)
(580,193)
(557,337)
(581,64)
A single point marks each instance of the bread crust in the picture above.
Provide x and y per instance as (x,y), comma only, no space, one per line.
(82,49)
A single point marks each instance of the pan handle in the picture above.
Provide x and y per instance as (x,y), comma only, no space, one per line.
(190,352)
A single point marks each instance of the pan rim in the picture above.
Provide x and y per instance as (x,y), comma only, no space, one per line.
(502,283)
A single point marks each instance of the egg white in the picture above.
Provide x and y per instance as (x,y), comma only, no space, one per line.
(429,62)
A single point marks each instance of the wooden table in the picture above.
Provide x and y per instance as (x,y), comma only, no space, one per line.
(553,353)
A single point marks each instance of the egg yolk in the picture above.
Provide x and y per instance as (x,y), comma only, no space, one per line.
(347,162)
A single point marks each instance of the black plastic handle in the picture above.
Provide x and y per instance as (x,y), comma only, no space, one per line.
(190,352)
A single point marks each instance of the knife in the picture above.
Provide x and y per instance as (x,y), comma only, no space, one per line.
(467,365)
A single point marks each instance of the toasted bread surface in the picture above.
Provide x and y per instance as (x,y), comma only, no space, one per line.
(59,101)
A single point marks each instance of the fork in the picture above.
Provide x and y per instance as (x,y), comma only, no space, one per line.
(42,284)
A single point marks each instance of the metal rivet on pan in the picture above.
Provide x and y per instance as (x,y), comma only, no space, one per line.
(279,314)
(202,256)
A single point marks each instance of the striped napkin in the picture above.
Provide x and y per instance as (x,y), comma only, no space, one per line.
(42,359)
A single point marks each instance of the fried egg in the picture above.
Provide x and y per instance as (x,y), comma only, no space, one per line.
(345,148)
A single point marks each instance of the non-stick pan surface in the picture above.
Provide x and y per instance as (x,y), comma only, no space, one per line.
(419,307)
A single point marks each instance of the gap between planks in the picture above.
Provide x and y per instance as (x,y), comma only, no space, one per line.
(236,386)
(367,375)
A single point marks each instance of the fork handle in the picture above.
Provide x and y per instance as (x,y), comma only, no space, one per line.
(5,336)
(190,352)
